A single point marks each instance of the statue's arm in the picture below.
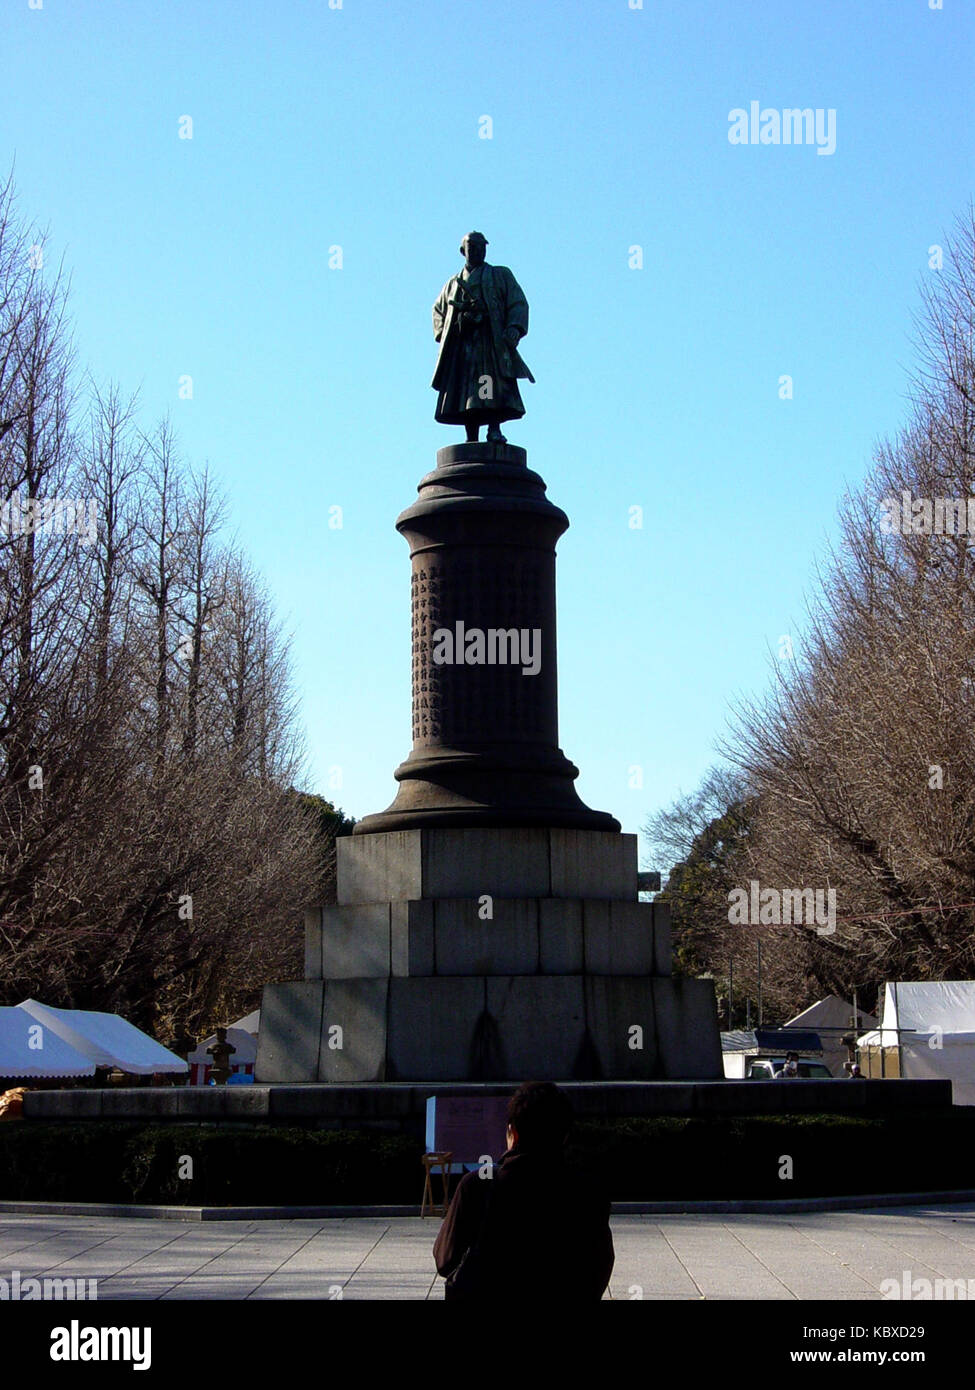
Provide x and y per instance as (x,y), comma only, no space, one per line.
(440,314)
(515,309)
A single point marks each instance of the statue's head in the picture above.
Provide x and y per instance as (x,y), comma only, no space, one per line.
(473,247)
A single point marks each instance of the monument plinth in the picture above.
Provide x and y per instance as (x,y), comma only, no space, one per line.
(488,926)
(482,538)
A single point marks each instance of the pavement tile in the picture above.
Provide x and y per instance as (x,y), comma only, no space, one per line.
(833,1255)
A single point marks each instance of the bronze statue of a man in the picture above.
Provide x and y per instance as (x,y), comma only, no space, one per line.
(478,320)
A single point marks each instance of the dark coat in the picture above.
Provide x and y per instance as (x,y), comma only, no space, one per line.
(508,308)
(534,1231)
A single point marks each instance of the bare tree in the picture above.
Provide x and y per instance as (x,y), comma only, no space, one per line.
(155,855)
(862,754)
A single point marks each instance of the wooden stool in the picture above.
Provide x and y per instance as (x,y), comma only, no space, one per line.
(430,1162)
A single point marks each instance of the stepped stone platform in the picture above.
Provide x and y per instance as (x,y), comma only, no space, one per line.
(488,954)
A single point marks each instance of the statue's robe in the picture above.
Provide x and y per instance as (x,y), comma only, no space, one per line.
(477,371)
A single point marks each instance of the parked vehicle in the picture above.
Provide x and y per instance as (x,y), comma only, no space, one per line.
(761,1054)
(766,1069)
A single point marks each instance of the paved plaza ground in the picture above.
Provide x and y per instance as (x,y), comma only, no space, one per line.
(820,1255)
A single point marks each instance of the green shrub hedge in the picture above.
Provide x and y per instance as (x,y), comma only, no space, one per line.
(737,1157)
(230,1165)
(639,1160)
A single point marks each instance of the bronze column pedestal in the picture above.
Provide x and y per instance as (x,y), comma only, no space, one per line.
(482,538)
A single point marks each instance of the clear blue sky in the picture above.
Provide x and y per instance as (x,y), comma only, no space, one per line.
(358,126)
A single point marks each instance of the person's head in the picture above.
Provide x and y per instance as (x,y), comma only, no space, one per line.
(539,1116)
(792,1056)
(473,248)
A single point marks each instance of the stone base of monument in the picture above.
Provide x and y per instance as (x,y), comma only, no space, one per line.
(488,955)
(400,1106)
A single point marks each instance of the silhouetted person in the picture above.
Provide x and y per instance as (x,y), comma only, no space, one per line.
(533,1230)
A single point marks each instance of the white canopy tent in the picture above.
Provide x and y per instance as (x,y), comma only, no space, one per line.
(241,1035)
(106,1040)
(932,1022)
(28,1049)
(250,1023)
(245,1043)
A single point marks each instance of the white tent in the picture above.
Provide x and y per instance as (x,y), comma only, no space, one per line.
(243,1036)
(245,1043)
(107,1040)
(831,1018)
(933,1023)
(250,1023)
(28,1049)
